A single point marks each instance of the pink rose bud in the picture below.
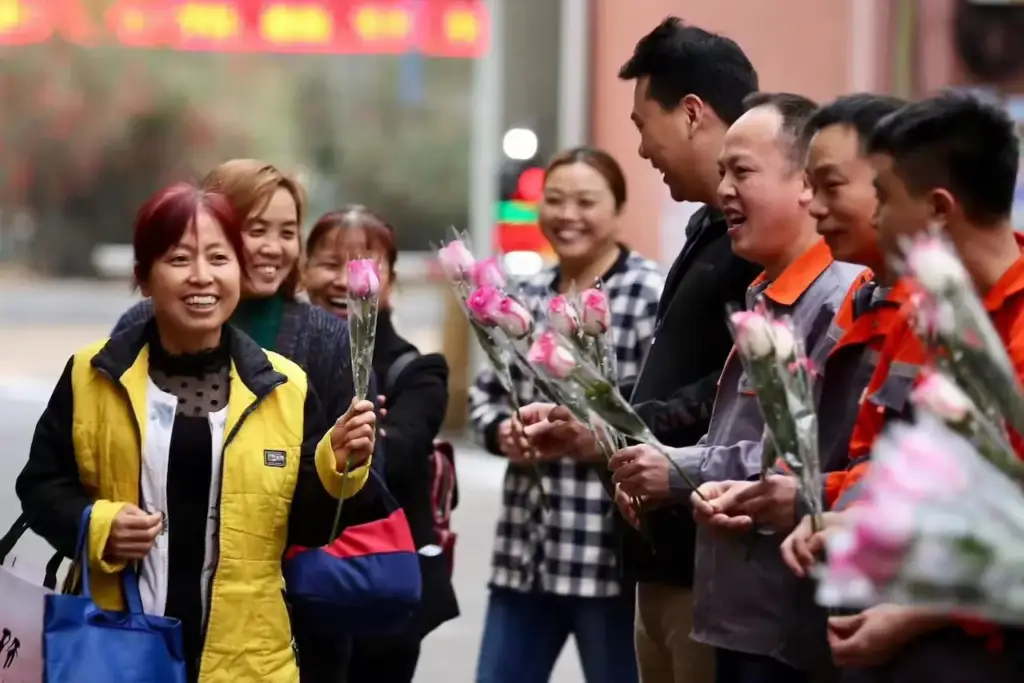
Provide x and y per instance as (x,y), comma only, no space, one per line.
(483,304)
(940,396)
(596,316)
(488,273)
(935,265)
(513,318)
(456,261)
(548,354)
(562,315)
(363,278)
(753,334)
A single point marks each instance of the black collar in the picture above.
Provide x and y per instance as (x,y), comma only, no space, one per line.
(253,366)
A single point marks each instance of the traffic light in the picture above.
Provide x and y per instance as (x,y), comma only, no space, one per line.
(521,189)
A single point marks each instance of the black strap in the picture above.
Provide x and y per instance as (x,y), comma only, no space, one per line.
(395,371)
(12,536)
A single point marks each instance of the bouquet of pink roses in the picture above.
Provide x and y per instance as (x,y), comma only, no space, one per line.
(497,319)
(564,366)
(937,525)
(956,325)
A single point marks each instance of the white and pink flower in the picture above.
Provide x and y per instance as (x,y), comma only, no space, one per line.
(941,397)
(513,318)
(456,261)
(562,315)
(753,334)
(551,356)
(488,273)
(595,314)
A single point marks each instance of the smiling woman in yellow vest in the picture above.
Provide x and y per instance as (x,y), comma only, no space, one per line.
(202,454)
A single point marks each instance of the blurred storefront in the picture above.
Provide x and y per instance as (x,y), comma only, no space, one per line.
(821,49)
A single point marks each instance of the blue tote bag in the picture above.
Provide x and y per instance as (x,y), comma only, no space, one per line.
(85,644)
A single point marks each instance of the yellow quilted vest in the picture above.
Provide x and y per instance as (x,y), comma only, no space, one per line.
(248,637)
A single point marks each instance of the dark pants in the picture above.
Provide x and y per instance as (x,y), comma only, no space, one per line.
(383,660)
(741,667)
(525,632)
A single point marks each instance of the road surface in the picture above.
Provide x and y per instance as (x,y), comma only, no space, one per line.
(42,323)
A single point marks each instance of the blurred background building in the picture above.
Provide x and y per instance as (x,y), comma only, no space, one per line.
(436,113)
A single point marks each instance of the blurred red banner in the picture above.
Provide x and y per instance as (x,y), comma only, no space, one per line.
(439,28)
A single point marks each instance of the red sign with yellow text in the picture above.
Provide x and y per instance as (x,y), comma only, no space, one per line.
(440,28)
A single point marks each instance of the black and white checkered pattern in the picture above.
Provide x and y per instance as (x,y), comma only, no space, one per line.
(571,550)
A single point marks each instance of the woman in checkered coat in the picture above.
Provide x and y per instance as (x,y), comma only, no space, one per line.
(554,573)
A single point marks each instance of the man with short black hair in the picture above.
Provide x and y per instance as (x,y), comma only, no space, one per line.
(690,85)
(761,620)
(949,160)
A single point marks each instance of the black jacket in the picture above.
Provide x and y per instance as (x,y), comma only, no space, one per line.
(416,404)
(676,388)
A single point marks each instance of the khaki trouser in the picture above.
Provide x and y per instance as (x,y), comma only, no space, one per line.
(664,651)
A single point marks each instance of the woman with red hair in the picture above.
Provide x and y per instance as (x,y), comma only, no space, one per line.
(201,454)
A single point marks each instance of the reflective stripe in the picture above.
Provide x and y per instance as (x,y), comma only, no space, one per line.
(906,370)
(849,496)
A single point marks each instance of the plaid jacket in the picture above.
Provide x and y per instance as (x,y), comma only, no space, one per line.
(572,549)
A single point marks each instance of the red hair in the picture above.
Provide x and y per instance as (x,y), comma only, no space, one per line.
(163,219)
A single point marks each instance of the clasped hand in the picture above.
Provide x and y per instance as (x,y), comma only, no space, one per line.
(738,506)
(353,436)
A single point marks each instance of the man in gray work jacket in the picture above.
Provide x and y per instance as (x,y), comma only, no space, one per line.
(744,597)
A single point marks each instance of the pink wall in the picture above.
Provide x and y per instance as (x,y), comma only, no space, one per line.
(806,46)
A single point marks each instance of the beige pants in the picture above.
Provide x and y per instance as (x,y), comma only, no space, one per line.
(664,651)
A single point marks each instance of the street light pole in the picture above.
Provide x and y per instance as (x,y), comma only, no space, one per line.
(487,129)
(464,355)
(574,74)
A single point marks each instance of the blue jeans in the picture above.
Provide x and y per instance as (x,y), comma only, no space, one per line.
(525,632)
(741,667)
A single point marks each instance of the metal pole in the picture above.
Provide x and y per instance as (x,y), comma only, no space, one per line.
(574,74)
(485,139)
(464,355)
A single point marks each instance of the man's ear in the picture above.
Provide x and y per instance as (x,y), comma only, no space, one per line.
(806,192)
(943,205)
(695,111)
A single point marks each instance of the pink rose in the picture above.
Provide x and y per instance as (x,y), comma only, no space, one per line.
(483,304)
(562,315)
(488,273)
(456,261)
(363,278)
(882,535)
(940,396)
(596,316)
(513,318)
(548,353)
(753,334)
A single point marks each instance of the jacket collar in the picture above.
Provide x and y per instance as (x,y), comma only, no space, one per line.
(129,352)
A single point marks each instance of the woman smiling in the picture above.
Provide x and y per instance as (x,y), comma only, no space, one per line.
(201,454)
(272,207)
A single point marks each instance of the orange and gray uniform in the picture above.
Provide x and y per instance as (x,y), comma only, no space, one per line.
(868,385)
(745,599)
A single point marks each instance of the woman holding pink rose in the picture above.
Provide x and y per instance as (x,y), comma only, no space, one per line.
(342,247)
(554,572)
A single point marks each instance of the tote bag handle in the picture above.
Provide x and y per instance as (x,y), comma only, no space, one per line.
(12,537)
(129,577)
